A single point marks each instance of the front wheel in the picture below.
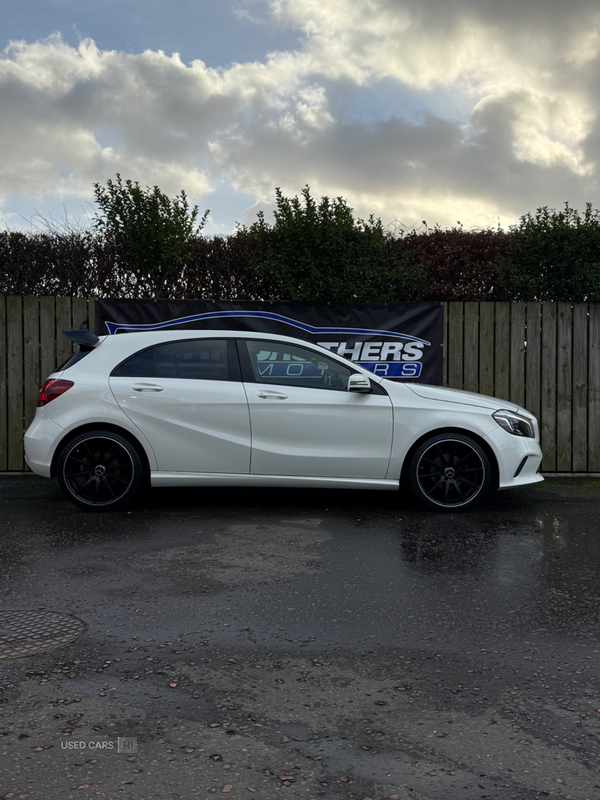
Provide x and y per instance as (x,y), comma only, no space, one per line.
(100,471)
(450,472)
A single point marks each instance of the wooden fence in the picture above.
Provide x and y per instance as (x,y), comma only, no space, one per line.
(544,356)
(31,347)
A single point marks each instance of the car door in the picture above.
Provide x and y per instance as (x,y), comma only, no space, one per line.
(305,422)
(187,398)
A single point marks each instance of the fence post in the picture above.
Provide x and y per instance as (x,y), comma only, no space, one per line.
(14,381)
(471,347)
(486,348)
(533,359)
(594,390)
(47,336)
(502,351)
(579,401)
(3,387)
(64,347)
(517,353)
(31,355)
(564,388)
(548,386)
(455,345)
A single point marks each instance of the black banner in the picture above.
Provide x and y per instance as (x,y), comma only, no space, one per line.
(401,341)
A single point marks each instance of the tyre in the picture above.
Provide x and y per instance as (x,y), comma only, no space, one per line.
(450,472)
(100,471)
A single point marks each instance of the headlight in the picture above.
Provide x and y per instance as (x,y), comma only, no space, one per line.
(515,423)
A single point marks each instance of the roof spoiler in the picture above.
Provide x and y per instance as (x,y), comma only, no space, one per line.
(84,338)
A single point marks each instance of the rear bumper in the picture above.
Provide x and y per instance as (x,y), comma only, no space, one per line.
(40,442)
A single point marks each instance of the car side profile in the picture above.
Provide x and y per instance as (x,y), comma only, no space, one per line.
(231,408)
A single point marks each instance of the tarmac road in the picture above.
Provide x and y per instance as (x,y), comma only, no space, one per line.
(304,644)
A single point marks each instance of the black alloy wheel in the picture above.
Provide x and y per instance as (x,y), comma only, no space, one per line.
(450,472)
(100,471)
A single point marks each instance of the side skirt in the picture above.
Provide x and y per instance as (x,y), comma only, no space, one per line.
(290,481)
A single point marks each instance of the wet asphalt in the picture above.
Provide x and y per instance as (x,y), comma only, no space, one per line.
(305,644)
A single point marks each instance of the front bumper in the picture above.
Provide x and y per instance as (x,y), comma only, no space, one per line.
(510,452)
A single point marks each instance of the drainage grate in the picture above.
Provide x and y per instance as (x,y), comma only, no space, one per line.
(23,633)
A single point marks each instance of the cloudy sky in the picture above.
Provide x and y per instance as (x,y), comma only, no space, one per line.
(440,110)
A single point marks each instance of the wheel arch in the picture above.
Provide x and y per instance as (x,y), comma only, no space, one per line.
(495,473)
(100,426)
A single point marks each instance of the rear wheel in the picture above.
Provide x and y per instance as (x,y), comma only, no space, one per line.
(450,472)
(100,470)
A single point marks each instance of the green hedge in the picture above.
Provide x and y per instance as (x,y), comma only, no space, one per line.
(318,252)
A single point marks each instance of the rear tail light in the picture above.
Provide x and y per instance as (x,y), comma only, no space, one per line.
(51,389)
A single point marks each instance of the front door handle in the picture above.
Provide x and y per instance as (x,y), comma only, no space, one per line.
(147,387)
(272,396)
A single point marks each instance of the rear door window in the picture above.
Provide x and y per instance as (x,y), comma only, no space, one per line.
(192,359)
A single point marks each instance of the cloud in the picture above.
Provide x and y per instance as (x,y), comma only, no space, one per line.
(395,169)
(56,97)
(477,48)
(521,79)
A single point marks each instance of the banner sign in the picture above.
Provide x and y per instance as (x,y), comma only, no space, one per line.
(401,341)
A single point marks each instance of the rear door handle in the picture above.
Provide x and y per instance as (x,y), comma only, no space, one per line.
(147,387)
(272,396)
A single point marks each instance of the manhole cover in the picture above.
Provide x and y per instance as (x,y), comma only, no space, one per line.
(23,633)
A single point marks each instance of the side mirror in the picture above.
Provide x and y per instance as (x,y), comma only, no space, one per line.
(359,383)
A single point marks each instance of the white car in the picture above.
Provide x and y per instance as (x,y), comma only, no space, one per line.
(230,408)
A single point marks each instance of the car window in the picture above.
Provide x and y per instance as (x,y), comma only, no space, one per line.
(290,365)
(196,359)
